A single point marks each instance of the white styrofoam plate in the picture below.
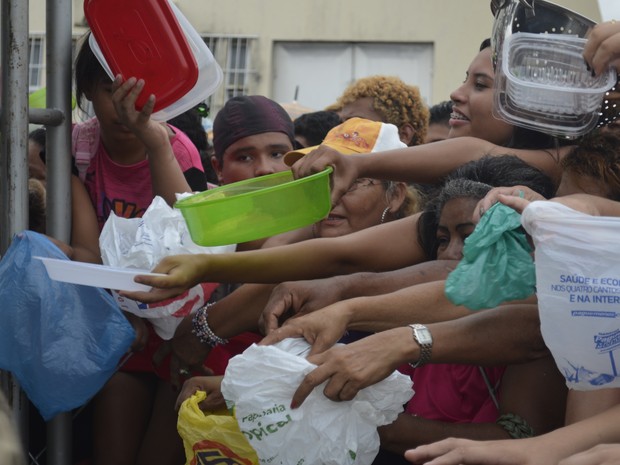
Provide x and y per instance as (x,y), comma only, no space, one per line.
(89,274)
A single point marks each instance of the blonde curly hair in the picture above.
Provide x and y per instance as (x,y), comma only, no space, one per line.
(399,103)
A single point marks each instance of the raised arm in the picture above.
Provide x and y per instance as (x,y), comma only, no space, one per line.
(426,163)
(421,303)
(167,176)
(393,245)
(512,330)
(519,197)
(299,297)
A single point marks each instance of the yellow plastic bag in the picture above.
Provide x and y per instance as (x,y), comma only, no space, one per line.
(212,438)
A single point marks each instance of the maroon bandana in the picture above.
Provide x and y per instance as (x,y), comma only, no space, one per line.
(246,116)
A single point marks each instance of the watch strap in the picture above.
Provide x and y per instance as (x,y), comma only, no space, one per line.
(426,349)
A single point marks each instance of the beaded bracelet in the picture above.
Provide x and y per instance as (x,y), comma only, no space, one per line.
(516,426)
(200,327)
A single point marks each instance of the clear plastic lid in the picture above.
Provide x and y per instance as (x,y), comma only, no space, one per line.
(209,72)
(542,83)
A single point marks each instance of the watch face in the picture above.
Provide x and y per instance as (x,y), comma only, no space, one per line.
(423,335)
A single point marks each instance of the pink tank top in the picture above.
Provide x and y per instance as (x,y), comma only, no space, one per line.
(125,190)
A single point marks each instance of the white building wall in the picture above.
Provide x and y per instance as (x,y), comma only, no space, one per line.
(455,28)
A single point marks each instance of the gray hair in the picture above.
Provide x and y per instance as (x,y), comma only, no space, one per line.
(460,188)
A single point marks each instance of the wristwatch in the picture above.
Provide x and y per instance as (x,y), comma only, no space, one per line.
(422,336)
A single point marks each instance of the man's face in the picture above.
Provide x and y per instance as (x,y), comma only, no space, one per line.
(253,156)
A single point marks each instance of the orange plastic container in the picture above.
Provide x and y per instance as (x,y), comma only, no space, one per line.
(142,38)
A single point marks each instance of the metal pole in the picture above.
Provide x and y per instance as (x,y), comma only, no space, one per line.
(14,119)
(58,76)
(48,117)
(58,147)
(13,157)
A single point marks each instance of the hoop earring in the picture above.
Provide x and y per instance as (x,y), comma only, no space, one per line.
(385,212)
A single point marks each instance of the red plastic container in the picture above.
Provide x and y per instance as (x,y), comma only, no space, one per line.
(143,39)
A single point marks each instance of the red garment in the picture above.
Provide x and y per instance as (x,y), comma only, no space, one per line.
(454,393)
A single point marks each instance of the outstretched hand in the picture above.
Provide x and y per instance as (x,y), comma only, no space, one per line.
(345,169)
(181,272)
(322,329)
(351,367)
(297,298)
(454,451)
(515,197)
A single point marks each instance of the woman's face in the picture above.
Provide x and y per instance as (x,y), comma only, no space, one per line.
(472,111)
(455,225)
(360,208)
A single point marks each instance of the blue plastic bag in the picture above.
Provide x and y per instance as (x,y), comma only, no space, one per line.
(61,341)
(497,265)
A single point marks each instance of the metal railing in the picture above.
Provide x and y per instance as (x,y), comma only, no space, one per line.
(14,119)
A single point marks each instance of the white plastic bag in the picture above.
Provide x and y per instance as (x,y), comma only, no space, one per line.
(578,286)
(259,385)
(141,243)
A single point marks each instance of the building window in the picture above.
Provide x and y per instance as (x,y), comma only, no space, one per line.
(234,55)
(36,62)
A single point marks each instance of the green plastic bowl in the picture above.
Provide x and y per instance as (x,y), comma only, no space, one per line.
(256,208)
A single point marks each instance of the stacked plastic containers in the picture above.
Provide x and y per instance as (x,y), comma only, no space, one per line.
(542,81)
(152,40)
(547,84)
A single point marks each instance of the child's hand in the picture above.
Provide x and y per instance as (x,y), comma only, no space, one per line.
(124,96)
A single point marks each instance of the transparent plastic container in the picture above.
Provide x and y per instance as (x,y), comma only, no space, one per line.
(209,72)
(542,83)
(541,17)
(547,73)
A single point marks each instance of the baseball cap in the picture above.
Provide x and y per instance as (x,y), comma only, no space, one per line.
(355,135)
